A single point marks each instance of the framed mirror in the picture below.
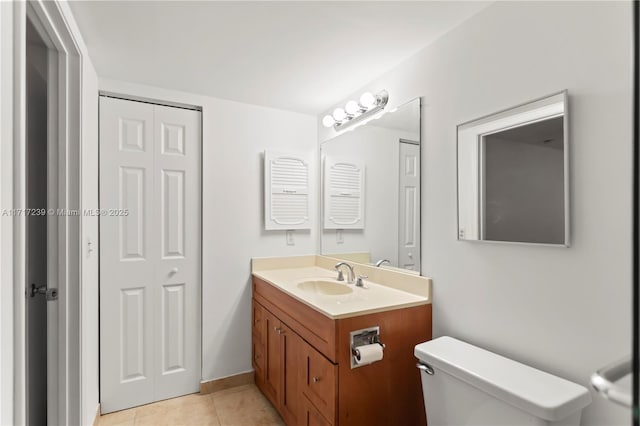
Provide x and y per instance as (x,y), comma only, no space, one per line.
(371,191)
(513,175)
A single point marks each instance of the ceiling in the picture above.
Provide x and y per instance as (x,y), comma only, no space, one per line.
(298,56)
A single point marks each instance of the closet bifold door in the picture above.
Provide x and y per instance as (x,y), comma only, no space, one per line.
(127,263)
(176,222)
(149,253)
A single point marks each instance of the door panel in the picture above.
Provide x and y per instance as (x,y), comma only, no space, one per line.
(126,267)
(132,308)
(177,301)
(409,214)
(172,217)
(150,256)
(132,190)
(173,336)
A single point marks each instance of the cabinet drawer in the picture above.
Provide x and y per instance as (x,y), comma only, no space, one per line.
(311,415)
(320,382)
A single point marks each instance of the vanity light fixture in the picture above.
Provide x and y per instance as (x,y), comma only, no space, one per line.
(352,107)
(355,111)
(339,115)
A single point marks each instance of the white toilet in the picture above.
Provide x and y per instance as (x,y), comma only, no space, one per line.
(466,385)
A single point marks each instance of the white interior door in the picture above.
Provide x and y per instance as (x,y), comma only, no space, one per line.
(176,225)
(409,212)
(149,253)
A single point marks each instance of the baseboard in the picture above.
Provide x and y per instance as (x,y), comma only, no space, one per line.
(97,416)
(216,385)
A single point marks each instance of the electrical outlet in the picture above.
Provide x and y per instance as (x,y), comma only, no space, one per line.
(290,240)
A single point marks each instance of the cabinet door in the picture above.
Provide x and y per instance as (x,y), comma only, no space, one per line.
(320,382)
(291,367)
(258,346)
(272,378)
(258,321)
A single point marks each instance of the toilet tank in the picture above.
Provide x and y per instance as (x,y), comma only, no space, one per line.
(472,386)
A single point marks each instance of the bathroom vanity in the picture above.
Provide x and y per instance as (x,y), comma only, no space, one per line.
(303,344)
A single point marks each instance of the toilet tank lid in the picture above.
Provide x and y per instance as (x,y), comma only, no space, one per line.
(541,394)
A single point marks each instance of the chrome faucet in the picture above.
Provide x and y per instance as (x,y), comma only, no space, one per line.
(359,282)
(381,261)
(352,275)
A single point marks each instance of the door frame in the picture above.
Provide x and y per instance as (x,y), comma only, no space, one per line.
(64,131)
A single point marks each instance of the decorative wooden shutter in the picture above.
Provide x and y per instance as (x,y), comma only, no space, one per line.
(343,194)
(286,184)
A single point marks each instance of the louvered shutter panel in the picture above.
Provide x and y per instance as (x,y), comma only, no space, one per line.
(286,191)
(343,194)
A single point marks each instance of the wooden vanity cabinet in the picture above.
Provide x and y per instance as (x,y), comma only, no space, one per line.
(277,356)
(301,360)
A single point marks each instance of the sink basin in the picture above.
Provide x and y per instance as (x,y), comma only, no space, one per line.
(328,288)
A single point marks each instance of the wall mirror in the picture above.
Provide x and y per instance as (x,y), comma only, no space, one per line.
(513,183)
(371,191)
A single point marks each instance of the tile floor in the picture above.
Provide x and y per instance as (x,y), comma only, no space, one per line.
(238,406)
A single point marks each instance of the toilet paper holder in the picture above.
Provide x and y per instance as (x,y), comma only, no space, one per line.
(365,336)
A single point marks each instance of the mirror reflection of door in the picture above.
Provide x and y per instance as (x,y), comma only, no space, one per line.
(409,209)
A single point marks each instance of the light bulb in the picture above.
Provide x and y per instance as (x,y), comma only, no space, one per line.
(328,121)
(367,100)
(339,114)
(352,107)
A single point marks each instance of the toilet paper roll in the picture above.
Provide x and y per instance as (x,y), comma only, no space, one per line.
(369,353)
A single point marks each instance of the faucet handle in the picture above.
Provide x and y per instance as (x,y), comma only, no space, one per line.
(340,276)
(359,282)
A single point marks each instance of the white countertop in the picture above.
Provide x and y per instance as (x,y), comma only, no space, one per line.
(373,298)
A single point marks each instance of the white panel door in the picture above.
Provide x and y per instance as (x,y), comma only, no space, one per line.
(126,254)
(149,253)
(177,230)
(409,213)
